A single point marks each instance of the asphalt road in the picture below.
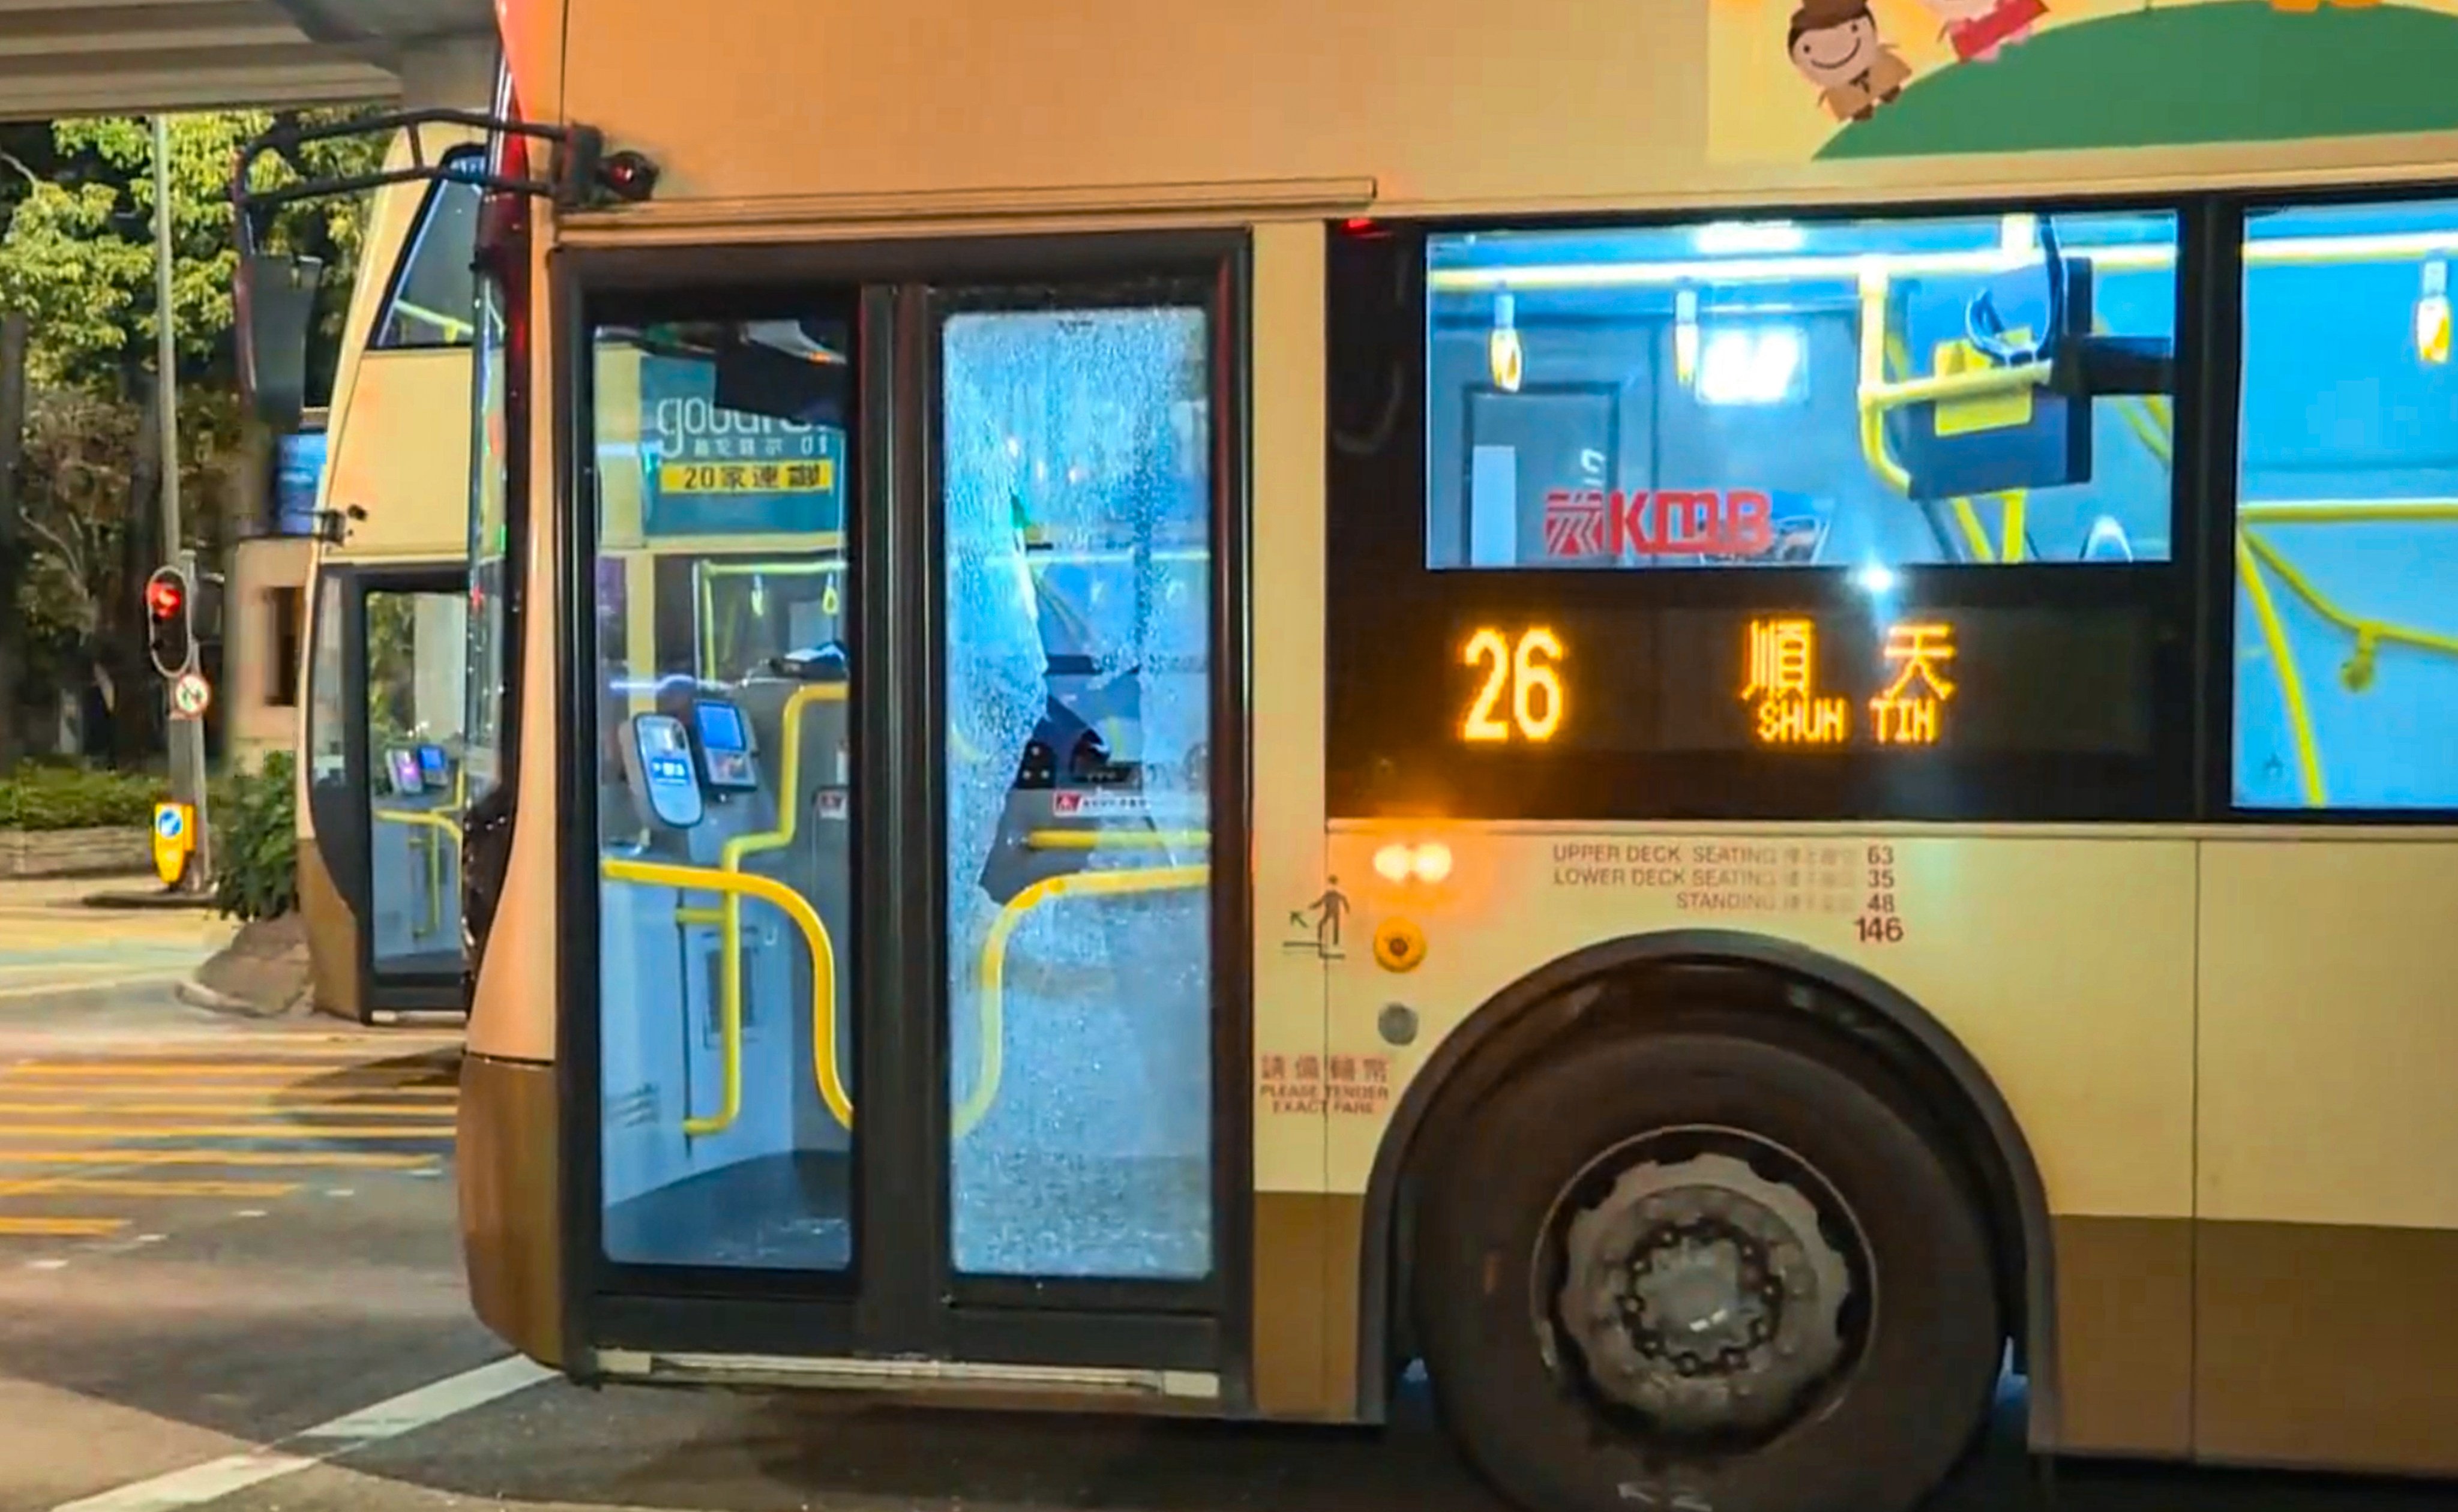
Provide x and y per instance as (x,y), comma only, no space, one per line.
(223,1241)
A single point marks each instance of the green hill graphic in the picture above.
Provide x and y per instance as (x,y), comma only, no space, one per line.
(2232,73)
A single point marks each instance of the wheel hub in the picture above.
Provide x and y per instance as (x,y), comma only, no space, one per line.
(1703,1295)
(1699,1293)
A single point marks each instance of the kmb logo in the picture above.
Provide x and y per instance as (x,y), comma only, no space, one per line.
(1662,522)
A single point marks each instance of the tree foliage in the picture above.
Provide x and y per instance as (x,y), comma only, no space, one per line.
(77,257)
(77,493)
(79,251)
(255,843)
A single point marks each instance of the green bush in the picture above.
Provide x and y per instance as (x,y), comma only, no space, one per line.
(48,797)
(255,841)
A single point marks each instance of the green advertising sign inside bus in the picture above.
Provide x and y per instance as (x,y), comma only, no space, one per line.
(709,471)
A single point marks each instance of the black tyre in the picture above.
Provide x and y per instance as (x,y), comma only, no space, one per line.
(1705,1271)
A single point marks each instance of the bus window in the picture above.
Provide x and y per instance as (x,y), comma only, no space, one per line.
(284,616)
(417,647)
(2346,539)
(327,747)
(1761,521)
(433,299)
(1839,393)
(723,781)
(1075,496)
(491,564)
(757,613)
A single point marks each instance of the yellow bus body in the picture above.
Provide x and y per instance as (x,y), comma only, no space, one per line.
(2218,1046)
(395,500)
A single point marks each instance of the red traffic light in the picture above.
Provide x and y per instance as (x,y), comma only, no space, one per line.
(169,638)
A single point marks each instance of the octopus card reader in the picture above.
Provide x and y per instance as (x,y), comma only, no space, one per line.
(726,746)
(667,777)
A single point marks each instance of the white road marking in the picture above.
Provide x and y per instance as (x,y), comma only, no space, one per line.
(406,1413)
(448,1397)
(194,1486)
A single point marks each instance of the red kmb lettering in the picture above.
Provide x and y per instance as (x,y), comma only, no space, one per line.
(1665,522)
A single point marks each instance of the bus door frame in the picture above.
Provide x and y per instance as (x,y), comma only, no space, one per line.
(379,997)
(901,1296)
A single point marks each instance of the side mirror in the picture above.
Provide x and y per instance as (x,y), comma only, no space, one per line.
(276,296)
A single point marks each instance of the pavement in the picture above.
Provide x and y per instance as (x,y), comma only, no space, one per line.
(230,1280)
(52,944)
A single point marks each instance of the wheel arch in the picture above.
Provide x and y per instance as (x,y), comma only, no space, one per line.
(1555,1002)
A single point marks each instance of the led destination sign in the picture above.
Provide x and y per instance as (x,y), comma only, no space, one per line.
(2001,680)
(1790,709)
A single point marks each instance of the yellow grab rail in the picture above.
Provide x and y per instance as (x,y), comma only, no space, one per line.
(1880,395)
(734,886)
(994,964)
(422,819)
(789,814)
(789,774)
(1873,400)
(2359,248)
(2291,687)
(2151,420)
(2346,511)
(1115,840)
(453,327)
(2255,552)
(432,822)
(706,574)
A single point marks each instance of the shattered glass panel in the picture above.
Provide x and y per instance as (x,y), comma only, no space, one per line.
(1076,487)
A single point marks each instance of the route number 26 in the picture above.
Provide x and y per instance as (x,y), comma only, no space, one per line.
(1523,671)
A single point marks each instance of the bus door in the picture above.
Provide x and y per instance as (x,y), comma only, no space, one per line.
(902,1009)
(385,784)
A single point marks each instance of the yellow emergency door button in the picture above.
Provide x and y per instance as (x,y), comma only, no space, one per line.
(1399,945)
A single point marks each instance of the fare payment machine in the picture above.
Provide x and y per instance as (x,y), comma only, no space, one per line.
(726,783)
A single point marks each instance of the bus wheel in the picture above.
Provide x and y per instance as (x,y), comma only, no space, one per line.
(1705,1272)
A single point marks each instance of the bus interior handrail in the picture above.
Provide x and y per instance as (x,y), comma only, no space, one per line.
(427,821)
(735,885)
(993,970)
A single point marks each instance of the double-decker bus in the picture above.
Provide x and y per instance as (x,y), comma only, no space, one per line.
(385,565)
(1185,703)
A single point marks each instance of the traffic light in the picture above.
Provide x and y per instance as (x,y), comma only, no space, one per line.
(168,632)
(205,613)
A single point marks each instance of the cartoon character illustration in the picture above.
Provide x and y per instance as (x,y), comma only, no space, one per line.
(1836,46)
(1980,29)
